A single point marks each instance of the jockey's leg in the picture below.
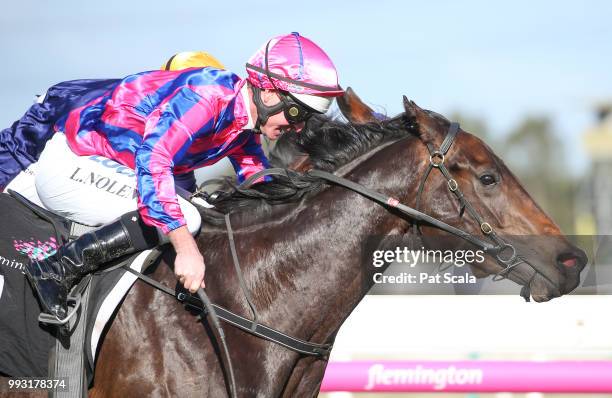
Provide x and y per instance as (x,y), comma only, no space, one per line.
(94,191)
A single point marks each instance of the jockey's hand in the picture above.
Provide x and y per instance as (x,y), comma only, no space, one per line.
(189,264)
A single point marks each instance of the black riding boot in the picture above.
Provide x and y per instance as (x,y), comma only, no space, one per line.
(54,277)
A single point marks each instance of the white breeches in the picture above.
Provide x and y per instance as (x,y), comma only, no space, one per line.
(91,190)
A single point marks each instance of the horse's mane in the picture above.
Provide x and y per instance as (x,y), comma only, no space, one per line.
(328,143)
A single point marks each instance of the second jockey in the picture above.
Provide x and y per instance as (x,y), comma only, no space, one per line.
(112,161)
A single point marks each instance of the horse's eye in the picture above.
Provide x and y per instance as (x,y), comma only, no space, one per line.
(488,179)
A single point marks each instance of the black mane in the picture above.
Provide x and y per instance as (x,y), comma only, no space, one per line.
(331,143)
(328,143)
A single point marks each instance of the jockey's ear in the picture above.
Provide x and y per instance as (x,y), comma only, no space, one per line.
(354,109)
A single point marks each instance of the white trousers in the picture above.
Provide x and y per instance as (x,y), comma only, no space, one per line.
(91,190)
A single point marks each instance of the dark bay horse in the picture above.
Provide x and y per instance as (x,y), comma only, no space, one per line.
(300,243)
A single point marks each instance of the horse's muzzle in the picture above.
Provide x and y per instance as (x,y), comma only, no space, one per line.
(570,264)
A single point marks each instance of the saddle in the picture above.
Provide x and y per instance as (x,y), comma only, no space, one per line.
(38,345)
(24,345)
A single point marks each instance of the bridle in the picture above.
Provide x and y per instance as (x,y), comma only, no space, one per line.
(502,251)
(436,161)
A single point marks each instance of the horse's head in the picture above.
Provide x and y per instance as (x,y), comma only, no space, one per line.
(552,264)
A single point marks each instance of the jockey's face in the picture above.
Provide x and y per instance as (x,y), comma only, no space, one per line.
(277,124)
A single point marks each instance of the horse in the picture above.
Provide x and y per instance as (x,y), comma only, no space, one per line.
(299,241)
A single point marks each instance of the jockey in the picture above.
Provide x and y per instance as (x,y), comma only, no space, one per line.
(112,161)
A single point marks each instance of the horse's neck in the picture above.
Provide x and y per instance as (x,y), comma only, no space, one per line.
(312,273)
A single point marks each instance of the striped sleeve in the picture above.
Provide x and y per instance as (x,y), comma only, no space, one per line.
(249,158)
(168,134)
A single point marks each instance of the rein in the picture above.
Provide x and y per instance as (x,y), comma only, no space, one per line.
(503,252)
(252,327)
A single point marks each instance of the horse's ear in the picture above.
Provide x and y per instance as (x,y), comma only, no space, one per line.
(412,113)
(354,109)
(412,109)
(417,119)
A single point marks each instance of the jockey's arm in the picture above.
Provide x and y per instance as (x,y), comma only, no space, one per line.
(159,207)
(165,141)
(189,263)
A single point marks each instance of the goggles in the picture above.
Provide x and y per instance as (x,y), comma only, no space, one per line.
(295,111)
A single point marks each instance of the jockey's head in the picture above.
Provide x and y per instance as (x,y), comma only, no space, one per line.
(292,79)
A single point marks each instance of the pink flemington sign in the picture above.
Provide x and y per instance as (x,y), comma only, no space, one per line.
(469,376)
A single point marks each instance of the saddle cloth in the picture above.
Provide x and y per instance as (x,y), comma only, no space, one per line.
(25,344)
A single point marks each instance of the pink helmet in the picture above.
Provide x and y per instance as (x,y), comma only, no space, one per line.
(295,64)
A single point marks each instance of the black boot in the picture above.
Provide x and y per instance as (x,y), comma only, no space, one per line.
(54,277)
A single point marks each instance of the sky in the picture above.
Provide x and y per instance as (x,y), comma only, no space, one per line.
(498,61)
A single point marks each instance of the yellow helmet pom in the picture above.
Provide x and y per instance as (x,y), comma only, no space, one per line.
(192,59)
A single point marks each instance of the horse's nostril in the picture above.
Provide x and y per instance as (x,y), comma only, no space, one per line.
(568,260)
